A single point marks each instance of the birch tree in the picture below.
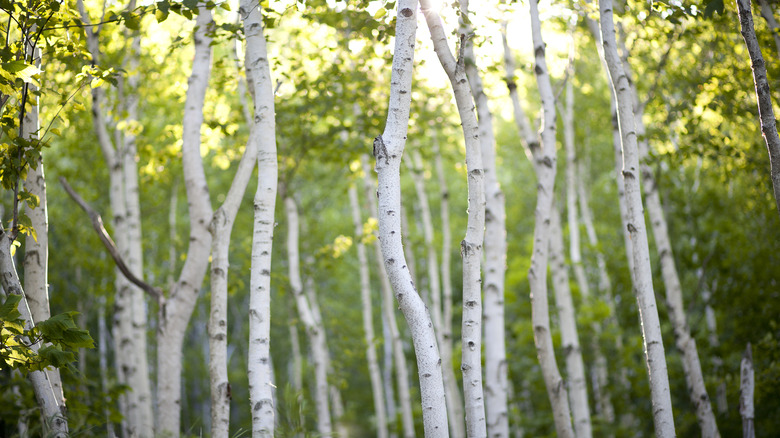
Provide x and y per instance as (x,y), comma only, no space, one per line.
(388,151)
(643,283)
(388,310)
(471,246)
(496,376)
(130,311)
(263,135)
(746,389)
(314,331)
(221,227)
(368,320)
(766,113)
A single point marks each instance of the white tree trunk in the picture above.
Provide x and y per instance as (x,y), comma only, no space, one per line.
(643,282)
(368,318)
(176,312)
(53,413)
(746,388)
(452,390)
(471,246)
(130,309)
(674,296)
(388,309)
(264,134)
(537,275)
(314,331)
(103,364)
(575,367)
(496,376)
(388,150)
(221,227)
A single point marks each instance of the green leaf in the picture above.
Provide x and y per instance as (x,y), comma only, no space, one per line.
(713,7)
(55,356)
(10,308)
(21,70)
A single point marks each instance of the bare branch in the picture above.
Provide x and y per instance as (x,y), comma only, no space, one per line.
(97,224)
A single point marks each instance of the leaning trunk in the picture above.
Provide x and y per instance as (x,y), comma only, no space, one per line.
(643,282)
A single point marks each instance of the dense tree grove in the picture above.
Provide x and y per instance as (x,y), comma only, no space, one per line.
(225,218)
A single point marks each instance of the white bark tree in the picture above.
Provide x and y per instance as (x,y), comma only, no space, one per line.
(368,318)
(747,385)
(314,331)
(221,227)
(263,135)
(496,376)
(452,390)
(130,308)
(388,151)
(471,246)
(388,310)
(643,282)
(544,163)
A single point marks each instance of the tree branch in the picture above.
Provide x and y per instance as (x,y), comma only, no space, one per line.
(97,224)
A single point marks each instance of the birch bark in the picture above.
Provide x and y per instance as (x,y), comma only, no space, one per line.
(314,331)
(264,135)
(368,318)
(221,227)
(496,377)
(52,411)
(471,246)
(746,389)
(674,295)
(537,274)
(388,308)
(452,390)
(174,315)
(765,111)
(643,282)
(388,150)
(130,309)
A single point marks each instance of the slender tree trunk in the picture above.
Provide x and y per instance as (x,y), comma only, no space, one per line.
(399,360)
(36,252)
(769,15)
(496,376)
(674,296)
(221,227)
(388,150)
(471,246)
(296,362)
(387,375)
(537,274)
(314,331)
(53,413)
(452,390)
(746,389)
(368,318)
(643,282)
(763,94)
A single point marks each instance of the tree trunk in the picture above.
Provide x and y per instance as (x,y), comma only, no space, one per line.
(643,282)
(388,150)
(263,133)
(452,390)
(496,376)
(471,246)
(53,413)
(763,94)
(746,389)
(368,318)
(221,227)
(103,364)
(388,308)
(545,163)
(314,331)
